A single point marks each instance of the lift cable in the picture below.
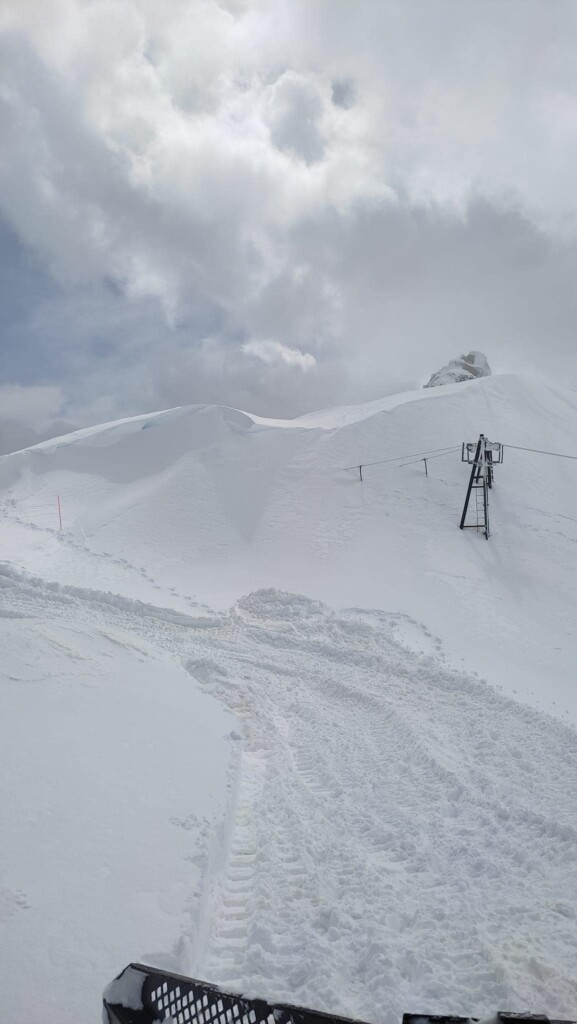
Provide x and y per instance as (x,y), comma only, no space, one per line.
(539,451)
(428,458)
(399,458)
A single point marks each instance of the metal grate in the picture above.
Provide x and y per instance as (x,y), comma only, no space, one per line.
(156,996)
(144,995)
(500,1018)
(196,1003)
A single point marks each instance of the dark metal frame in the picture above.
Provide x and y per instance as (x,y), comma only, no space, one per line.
(477,479)
(188,1001)
(155,995)
(487,454)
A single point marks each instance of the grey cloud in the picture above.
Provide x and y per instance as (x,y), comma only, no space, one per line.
(16,435)
(295,111)
(373,185)
(343,93)
(29,414)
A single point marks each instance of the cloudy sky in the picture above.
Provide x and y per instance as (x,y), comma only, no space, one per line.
(279,204)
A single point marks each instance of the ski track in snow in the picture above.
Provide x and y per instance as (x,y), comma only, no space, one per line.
(403,837)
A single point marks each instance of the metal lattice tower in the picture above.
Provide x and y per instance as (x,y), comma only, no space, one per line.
(482,456)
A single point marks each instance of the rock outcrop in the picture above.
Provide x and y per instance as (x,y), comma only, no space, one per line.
(464,368)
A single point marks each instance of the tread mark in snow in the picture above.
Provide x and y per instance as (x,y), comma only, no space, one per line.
(228,941)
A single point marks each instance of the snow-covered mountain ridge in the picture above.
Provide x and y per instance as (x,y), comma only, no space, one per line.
(213,502)
(247,733)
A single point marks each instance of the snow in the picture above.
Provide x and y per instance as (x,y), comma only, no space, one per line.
(114,774)
(126,990)
(207,506)
(285,731)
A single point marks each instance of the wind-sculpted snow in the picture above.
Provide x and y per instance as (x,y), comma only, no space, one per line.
(200,505)
(67,594)
(401,836)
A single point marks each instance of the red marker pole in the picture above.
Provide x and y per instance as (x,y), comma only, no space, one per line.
(59,511)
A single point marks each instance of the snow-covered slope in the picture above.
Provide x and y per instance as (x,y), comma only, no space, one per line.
(114,770)
(398,834)
(204,504)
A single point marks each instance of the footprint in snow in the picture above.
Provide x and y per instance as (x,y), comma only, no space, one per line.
(11,901)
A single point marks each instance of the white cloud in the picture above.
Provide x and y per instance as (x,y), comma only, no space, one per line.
(272,352)
(373,185)
(37,406)
(29,414)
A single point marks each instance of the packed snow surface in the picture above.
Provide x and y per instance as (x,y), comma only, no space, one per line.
(110,763)
(294,733)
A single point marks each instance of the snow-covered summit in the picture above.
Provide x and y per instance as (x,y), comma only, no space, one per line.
(466,367)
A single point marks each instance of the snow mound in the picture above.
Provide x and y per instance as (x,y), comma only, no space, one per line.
(467,367)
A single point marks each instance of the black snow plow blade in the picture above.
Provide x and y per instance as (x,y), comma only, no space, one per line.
(147,995)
